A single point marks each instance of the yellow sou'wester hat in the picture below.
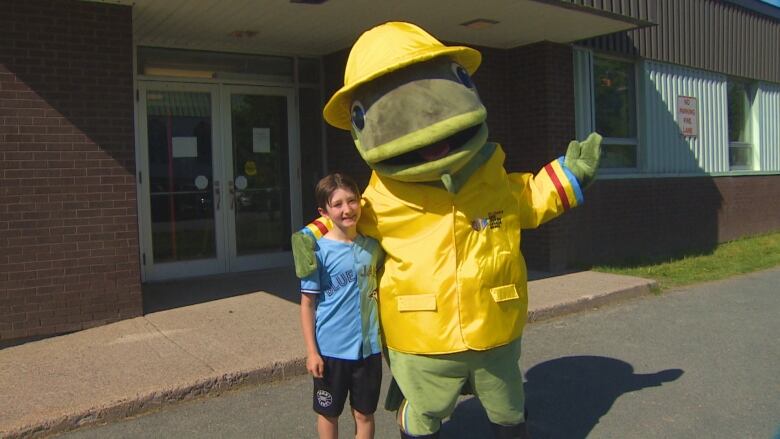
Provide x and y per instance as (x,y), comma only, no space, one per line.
(386,48)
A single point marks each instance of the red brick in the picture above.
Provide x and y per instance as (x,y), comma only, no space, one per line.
(52,165)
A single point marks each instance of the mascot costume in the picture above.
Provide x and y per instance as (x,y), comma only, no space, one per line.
(453,297)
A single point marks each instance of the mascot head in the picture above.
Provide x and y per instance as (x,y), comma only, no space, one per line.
(409,101)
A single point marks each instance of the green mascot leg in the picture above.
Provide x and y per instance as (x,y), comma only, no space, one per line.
(431,385)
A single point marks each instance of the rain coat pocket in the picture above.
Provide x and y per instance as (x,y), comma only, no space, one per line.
(504,293)
(416,302)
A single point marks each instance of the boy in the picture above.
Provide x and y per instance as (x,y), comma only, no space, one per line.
(339,313)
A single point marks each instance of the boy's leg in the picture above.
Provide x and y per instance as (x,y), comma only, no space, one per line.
(327,427)
(431,385)
(330,394)
(364,425)
(498,383)
(366,382)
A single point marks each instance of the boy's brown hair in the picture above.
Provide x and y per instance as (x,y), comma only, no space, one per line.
(328,184)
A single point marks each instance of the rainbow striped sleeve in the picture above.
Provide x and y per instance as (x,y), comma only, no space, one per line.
(566,184)
(318,227)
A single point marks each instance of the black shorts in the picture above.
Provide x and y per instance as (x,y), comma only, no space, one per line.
(361,379)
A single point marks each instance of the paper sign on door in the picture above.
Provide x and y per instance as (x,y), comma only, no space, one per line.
(261,140)
(184,147)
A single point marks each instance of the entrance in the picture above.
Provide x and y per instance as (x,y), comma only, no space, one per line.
(218,177)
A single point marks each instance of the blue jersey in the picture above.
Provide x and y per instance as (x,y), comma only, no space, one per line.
(346,317)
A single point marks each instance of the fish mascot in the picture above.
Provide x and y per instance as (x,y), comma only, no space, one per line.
(453,297)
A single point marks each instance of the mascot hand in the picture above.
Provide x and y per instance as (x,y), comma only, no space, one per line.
(303,245)
(582,158)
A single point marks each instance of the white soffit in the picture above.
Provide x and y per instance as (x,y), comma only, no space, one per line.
(292,28)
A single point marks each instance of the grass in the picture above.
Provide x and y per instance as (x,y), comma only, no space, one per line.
(728,259)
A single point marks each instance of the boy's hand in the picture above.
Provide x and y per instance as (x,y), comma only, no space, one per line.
(315,365)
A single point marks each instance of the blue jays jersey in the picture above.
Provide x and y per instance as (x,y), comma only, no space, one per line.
(345,282)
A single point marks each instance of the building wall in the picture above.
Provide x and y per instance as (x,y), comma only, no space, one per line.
(627,220)
(712,35)
(68,221)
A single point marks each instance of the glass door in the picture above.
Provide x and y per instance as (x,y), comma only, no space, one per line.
(180,186)
(262,164)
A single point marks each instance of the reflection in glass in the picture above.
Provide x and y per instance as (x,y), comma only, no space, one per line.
(614,98)
(618,156)
(179,149)
(260,156)
(739,109)
(614,102)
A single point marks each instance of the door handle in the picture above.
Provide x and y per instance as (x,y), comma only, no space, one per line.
(217,194)
(232,190)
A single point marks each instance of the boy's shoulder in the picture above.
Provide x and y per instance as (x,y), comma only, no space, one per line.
(368,243)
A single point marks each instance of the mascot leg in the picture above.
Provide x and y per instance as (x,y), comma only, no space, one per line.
(431,386)
(498,383)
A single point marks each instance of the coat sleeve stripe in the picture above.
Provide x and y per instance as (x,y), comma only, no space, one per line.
(558,186)
(316,228)
(575,184)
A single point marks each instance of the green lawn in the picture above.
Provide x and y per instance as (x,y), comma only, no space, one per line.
(729,259)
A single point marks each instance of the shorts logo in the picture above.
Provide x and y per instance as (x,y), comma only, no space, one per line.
(492,221)
(324,399)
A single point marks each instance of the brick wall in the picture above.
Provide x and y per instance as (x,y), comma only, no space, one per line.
(630,219)
(535,125)
(68,221)
(341,152)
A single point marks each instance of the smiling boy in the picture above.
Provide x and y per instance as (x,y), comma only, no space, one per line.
(339,313)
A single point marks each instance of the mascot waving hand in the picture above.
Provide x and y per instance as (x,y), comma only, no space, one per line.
(454,296)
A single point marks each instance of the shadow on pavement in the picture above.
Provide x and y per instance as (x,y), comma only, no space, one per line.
(281,282)
(161,296)
(565,397)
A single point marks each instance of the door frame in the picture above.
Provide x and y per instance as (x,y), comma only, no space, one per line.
(272,259)
(172,270)
(226,260)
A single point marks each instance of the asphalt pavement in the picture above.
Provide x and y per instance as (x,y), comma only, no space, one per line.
(694,362)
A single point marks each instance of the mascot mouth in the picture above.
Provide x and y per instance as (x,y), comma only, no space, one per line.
(434,151)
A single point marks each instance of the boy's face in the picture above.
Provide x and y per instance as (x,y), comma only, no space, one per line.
(343,209)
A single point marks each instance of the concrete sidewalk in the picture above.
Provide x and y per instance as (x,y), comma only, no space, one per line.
(126,368)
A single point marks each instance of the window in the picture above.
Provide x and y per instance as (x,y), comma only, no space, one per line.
(156,61)
(740,104)
(614,98)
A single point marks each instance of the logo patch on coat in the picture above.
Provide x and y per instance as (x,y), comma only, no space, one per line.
(493,221)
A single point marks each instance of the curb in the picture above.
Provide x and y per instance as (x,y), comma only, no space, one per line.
(589,302)
(144,403)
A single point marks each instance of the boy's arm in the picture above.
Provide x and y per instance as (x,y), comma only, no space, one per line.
(304,243)
(314,363)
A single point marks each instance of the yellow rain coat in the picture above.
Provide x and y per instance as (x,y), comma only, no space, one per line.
(454,278)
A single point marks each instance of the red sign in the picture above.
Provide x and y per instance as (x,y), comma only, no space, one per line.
(687,116)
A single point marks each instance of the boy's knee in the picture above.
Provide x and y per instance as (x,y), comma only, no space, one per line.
(362,417)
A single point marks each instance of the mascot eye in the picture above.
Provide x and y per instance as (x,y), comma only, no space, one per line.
(358,115)
(462,74)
